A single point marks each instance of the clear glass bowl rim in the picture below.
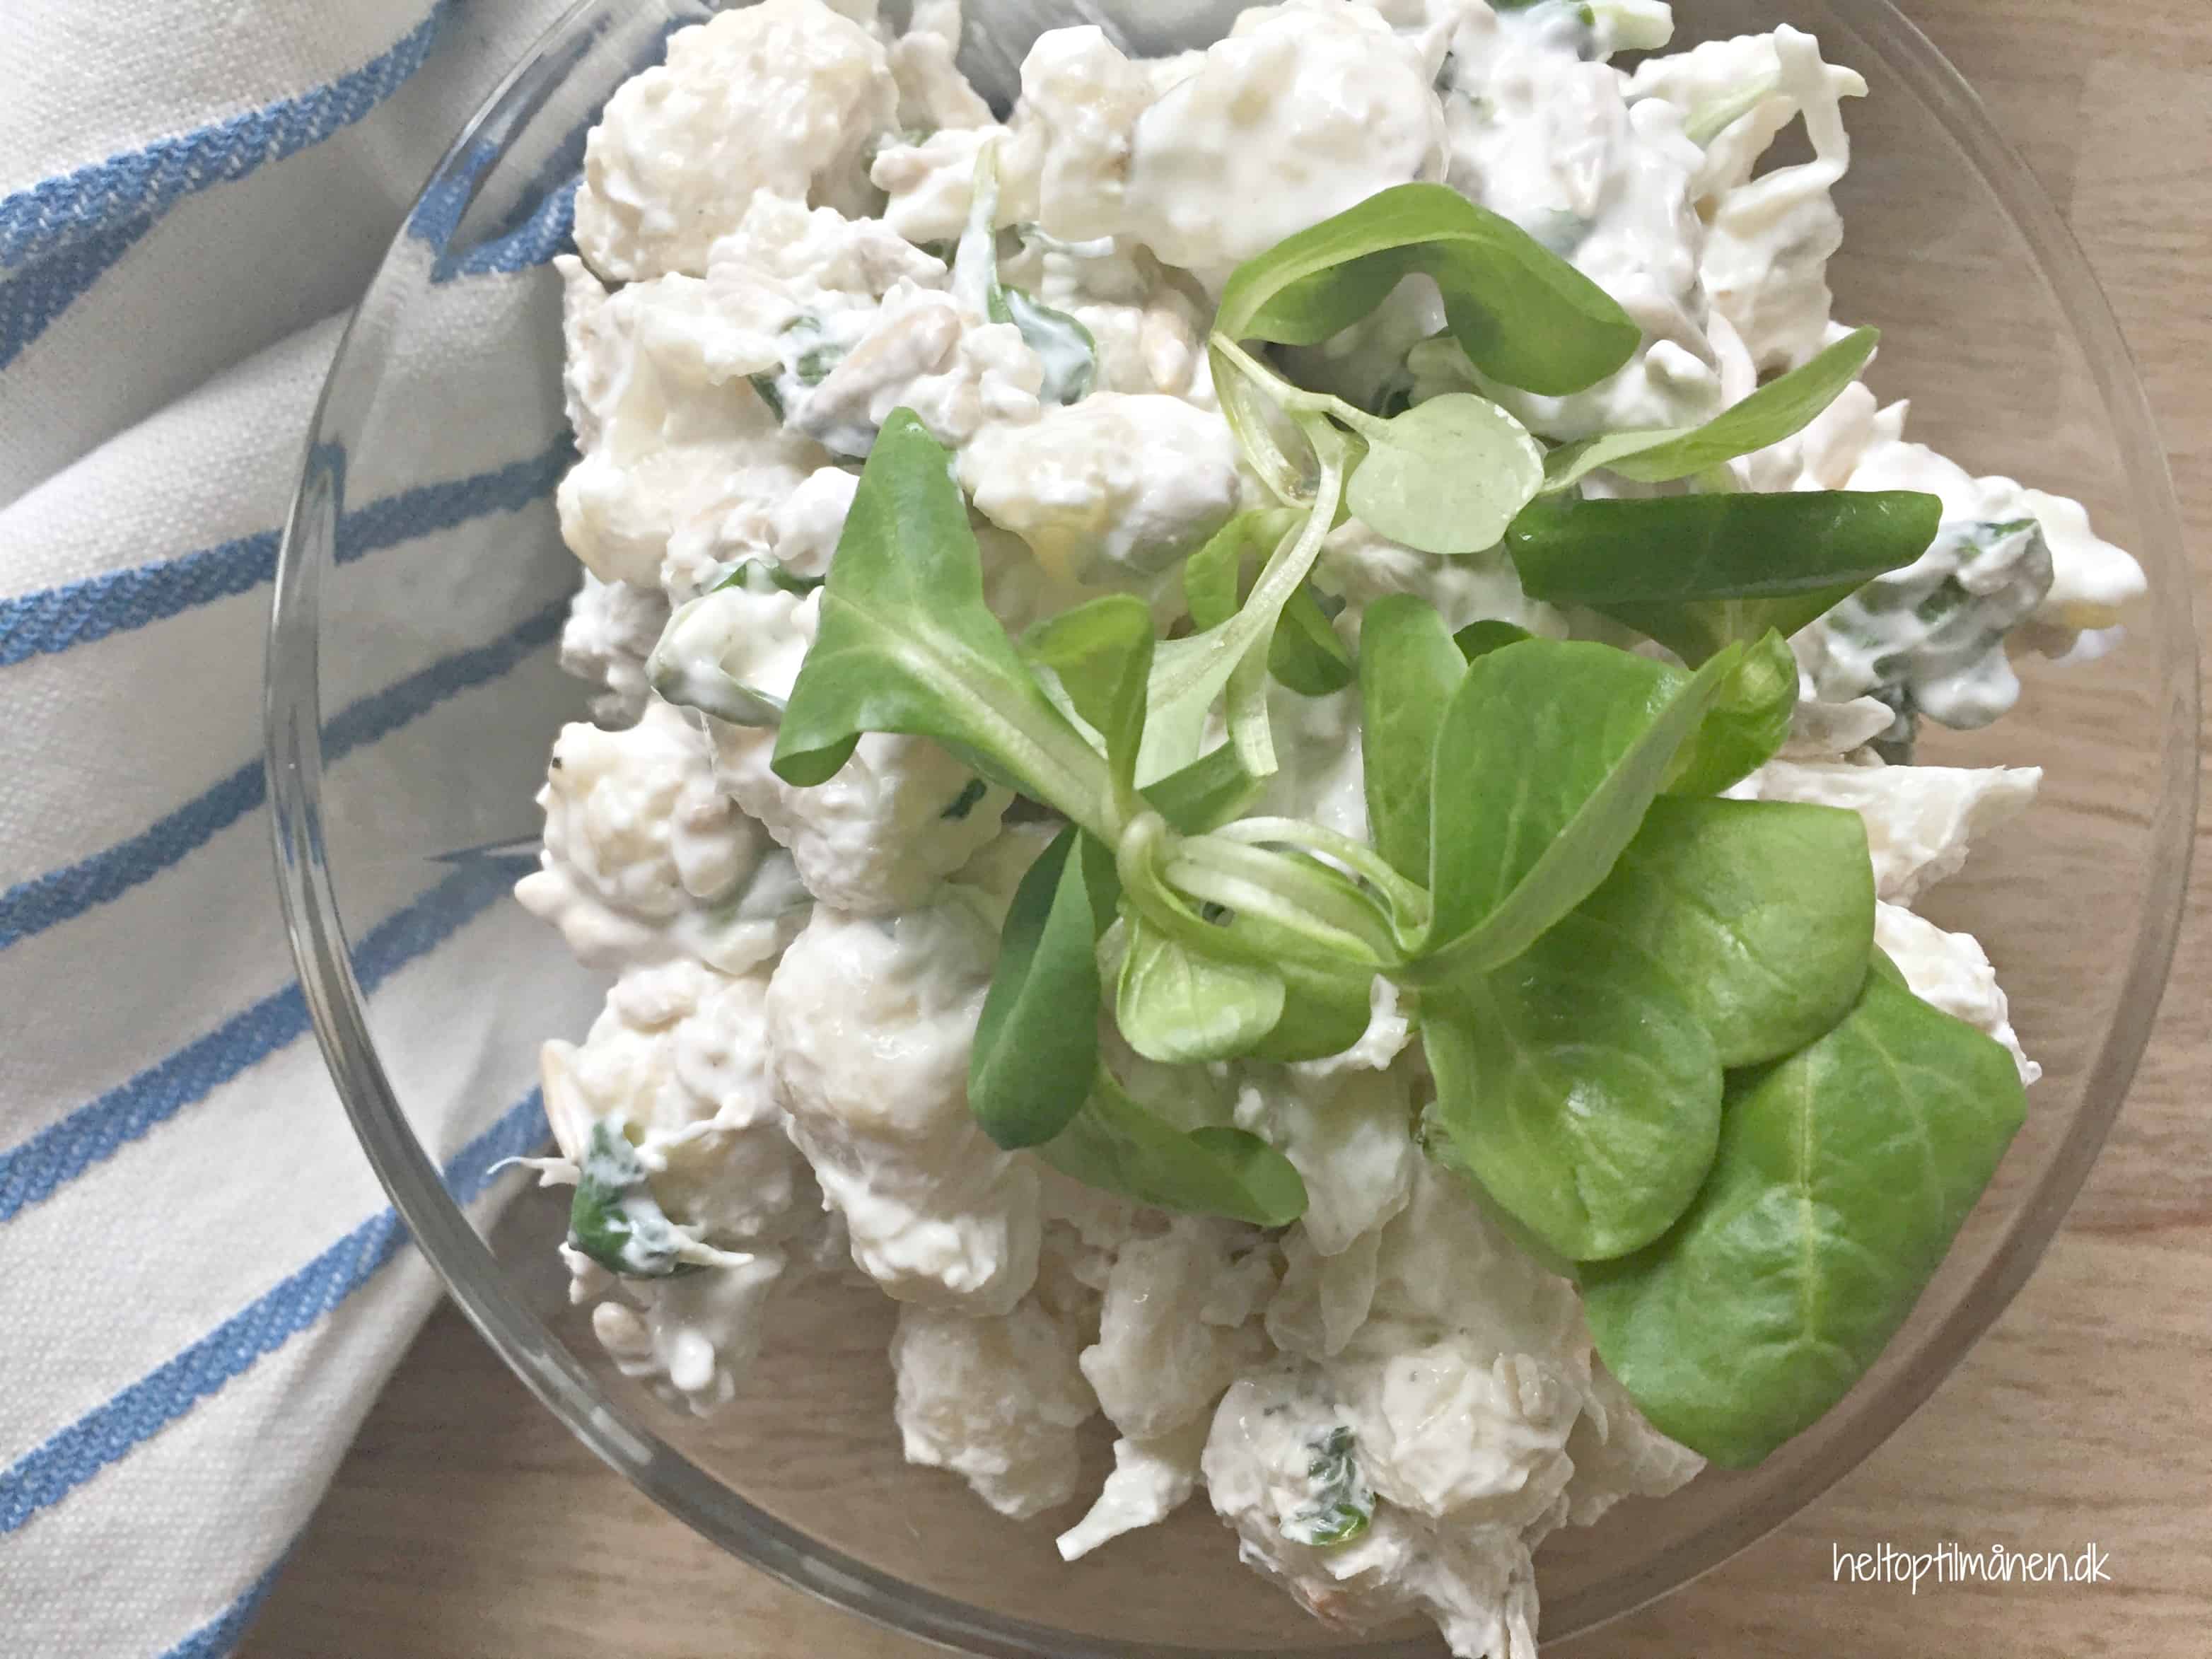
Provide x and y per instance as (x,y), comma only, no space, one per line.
(293,757)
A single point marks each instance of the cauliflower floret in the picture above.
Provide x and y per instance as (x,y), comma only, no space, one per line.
(896,818)
(1951,972)
(1159,1360)
(644,858)
(1743,76)
(1282,1465)
(691,1338)
(781,97)
(1920,820)
(871,1025)
(1768,243)
(1551,142)
(918,351)
(1111,486)
(676,1065)
(1445,1265)
(996,1399)
(2092,581)
(1349,1133)
(1080,97)
(810,520)
(931,182)
(1454,1428)
(1147,324)
(872,841)
(1085,1229)
(1304,111)
(1618,1454)
(782,251)
(1324,1300)
(933,92)
(610,631)
(672,438)
(1418,1468)
(1151,1479)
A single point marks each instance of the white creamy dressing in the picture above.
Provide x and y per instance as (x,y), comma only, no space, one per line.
(1388,1402)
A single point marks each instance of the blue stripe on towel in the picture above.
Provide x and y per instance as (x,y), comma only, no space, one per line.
(45,1476)
(57,211)
(32,1172)
(537,238)
(63,234)
(219,1637)
(55,619)
(46,901)
(31,300)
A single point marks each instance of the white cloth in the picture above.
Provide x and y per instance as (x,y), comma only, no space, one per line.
(204,1288)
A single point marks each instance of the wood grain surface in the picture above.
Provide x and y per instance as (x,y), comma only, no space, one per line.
(466,1524)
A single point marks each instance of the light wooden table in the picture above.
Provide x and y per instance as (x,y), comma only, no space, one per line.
(467,1525)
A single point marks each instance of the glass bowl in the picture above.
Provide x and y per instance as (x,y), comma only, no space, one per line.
(1994,327)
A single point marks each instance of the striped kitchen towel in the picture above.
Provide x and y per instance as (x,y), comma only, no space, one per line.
(204,1288)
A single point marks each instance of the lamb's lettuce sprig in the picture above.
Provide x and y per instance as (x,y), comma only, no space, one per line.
(1606,962)
(1252,938)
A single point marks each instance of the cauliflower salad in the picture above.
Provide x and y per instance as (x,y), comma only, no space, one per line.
(1254,744)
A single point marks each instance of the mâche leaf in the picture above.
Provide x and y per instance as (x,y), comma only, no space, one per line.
(1447,475)
(1675,550)
(1211,791)
(1522,314)
(1479,639)
(1761,912)
(1305,654)
(1036,1042)
(1118,1144)
(907,644)
(1749,720)
(1548,755)
(1325,1008)
(1693,631)
(1190,674)
(1101,652)
(1177,1005)
(1843,1173)
(1214,577)
(1780,409)
(1409,666)
(1063,345)
(1577,1087)
(761,576)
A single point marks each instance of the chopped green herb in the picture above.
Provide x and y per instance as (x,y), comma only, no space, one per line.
(966,801)
(1342,1503)
(615,1219)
